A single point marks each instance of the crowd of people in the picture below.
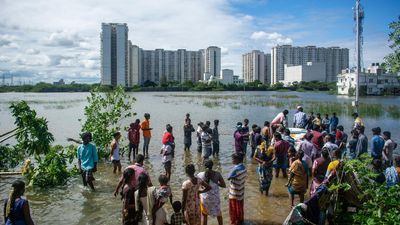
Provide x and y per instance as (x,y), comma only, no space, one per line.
(306,162)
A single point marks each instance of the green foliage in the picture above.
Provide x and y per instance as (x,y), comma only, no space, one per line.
(10,157)
(53,169)
(380,203)
(392,61)
(47,87)
(104,114)
(32,135)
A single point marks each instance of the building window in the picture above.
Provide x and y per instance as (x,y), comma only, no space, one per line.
(386,81)
(371,80)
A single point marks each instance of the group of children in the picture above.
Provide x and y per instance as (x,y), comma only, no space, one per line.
(207,138)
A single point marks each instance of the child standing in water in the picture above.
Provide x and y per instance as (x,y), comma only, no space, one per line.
(128,198)
(114,154)
(177,216)
(163,193)
(16,209)
(87,160)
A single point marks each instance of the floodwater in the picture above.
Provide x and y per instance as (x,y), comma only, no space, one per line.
(74,204)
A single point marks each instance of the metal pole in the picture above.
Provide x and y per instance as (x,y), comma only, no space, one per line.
(358,54)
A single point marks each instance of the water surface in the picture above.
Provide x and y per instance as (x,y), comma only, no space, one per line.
(73,204)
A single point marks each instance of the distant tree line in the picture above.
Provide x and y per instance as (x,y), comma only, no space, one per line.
(176,86)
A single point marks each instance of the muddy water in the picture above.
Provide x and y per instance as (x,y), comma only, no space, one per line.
(74,204)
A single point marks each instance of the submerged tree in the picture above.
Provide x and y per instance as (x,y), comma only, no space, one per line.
(104,114)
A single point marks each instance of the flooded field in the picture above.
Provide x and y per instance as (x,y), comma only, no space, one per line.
(73,204)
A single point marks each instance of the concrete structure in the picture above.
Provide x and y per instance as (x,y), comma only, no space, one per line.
(164,65)
(227,76)
(253,66)
(310,72)
(237,80)
(114,54)
(267,63)
(212,61)
(374,81)
(123,63)
(336,59)
(60,82)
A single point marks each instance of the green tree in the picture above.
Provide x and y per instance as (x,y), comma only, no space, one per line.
(104,114)
(32,132)
(392,61)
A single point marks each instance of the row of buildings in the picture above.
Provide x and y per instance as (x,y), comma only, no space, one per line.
(126,64)
(288,63)
(372,81)
(123,63)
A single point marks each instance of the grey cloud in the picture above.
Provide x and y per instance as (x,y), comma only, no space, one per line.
(65,39)
(32,51)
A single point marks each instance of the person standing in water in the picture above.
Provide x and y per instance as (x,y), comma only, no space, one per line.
(87,160)
(146,134)
(215,139)
(188,129)
(114,153)
(237,180)
(134,139)
(16,209)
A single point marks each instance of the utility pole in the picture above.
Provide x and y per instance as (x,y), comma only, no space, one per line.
(358,17)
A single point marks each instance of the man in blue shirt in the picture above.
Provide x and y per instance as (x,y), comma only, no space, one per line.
(300,118)
(377,143)
(87,160)
(334,121)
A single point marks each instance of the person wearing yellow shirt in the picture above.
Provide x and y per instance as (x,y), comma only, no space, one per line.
(357,120)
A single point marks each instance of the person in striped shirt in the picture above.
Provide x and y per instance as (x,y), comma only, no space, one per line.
(237,180)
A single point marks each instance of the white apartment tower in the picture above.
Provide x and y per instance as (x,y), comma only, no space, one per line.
(165,65)
(114,54)
(335,60)
(256,66)
(213,61)
(253,66)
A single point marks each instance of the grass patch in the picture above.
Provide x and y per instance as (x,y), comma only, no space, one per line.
(285,96)
(212,104)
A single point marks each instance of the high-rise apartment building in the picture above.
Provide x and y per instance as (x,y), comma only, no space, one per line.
(165,65)
(213,61)
(335,59)
(256,66)
(125,64)
(114,54)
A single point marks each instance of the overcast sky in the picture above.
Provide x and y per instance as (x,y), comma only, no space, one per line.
(45,40)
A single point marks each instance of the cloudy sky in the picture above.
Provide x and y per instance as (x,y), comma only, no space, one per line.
(45,40)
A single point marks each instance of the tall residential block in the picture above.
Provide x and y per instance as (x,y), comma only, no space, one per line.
(213,61)
(161,65)
(335,60)
(256,66)
(114,54)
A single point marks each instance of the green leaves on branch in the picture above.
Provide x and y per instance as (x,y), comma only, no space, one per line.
(392,61)
(10,157)
(104,114)
(50,167)
(53,169)
(379,202)
(32,135)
